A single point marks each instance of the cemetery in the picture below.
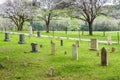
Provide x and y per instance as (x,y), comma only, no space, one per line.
(59,40)
(64,57)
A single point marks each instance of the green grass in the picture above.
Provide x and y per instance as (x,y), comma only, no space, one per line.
(75,34)
(88,66)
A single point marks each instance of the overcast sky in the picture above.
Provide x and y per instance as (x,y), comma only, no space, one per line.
(2,1)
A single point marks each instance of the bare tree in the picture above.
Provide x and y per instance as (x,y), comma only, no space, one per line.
(18,11)
(87,10)
(47,10)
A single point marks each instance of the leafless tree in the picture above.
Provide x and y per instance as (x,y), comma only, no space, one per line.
(87,10)
(18,11)
(46,10)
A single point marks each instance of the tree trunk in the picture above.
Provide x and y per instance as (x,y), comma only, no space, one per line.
(90,28)
(47,28)
(20,27)
(48,23)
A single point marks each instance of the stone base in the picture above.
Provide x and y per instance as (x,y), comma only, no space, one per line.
(21,42)
(6,40)
(94,49)
(35,51)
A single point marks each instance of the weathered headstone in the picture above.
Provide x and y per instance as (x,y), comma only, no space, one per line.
(1,66)
(38,34)
(7,36)
(34,47)
(51,71)
(77,43)
(94,44)
(61,42)
(104,57)
(30,31)
(53,48)
(21,39)
(113,50)
(74,52)
(51,41)
(109,41)
(65,52)
(25,64)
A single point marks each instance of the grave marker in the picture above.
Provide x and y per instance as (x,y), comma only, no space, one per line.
(61,42)
(38,34)
(109,41)
(30,31)
(53,48)
(94,44)
(34,47)
(74,52)
(21,39)
(104,57)
(51,71)
(7,36)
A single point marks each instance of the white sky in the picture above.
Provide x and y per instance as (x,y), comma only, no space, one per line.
(2,1)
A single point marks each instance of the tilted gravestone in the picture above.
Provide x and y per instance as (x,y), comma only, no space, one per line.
(61,42)
(7,36)
(109,41)
(77,43)
(74,52)
(53,48)
(38,34)
(34,47)
(104,57)
(94,44)
(21,39)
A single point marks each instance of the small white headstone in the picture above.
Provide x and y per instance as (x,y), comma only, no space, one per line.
(30,29)
(53,48)
(74,52)
(109,41)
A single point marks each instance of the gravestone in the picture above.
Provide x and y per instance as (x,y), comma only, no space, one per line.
(104,57)
(113,50)
(94,44)
(30,31)
(21,39)
(65,52)
(61,42)
(34,47)
(53,48)
(1,66)
(7,36)
(38,34)
(51,41)
(109,41)
(51,71)
(77,43)
(74,52)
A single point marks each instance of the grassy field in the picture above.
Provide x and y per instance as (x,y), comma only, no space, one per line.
(21,64)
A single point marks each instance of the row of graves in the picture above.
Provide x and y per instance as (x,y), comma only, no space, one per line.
(75,47)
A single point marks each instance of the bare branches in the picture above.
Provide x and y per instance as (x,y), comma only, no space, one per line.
(18,11)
